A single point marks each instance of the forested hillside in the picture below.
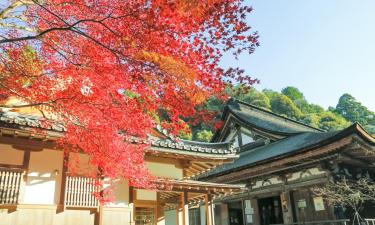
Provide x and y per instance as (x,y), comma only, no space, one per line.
(291,102)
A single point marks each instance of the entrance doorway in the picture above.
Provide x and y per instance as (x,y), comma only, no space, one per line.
(235,213)
(144,216)
(270,211)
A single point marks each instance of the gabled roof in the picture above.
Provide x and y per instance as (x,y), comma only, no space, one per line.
(18,121)
(296,144)
(202,156)
(254,117)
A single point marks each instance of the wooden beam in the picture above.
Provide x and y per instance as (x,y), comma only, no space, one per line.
(202,165)
(26,143)
(209,209)
(185,208)
(198,166)
(354,161)
(193,170)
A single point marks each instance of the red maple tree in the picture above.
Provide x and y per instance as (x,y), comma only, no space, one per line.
(107,69)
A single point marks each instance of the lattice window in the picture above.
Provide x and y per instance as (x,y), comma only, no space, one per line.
(79,192)
(10,185)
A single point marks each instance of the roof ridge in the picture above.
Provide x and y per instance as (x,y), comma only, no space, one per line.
(273,113)
(206,143)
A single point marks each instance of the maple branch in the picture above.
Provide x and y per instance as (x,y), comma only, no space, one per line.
(62,55)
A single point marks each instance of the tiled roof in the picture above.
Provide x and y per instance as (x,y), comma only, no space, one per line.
(15,120)
(221,148)
(259,118)
(290,145)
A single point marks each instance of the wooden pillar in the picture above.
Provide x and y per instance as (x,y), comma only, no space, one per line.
(185,208)
(61,206)
(210,220)
(132,195)
(256,210)
(286,205)
(25,166)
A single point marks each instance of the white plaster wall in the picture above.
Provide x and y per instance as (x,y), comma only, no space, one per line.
(146,195)
(164,170)
(170,217)
(9,155)
(307,173)
(202,210)
(263,183)
(246,139)
(43,185)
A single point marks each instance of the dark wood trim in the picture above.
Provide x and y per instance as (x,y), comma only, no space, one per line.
(26,164)
(26,160)
(239,137)
(63,178)
(27,143)
(10,166)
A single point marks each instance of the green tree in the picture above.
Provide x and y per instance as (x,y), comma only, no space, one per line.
(283,105)
(204,135)
(293,93)
(313,108)
(354,111)
(299,100)
(312,119)
(331,121)
(257,98)
(292,103)
(270,93)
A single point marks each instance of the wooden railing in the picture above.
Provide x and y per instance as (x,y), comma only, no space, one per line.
(370,221)
(10,185)
(79,192)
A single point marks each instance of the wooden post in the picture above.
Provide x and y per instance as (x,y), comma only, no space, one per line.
(185,208)
(25,166)
(286,205)
(132,195)
(64,172)
(209,209)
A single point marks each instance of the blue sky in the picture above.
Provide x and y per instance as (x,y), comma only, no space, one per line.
(323,47)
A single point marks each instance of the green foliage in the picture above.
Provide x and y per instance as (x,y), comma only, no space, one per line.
(331,121)
(293,93)
(354,111)
(257,98)
(292,104)
(204,135)
(283,105)
(186,135)
(312,108)
(270,93)
(253,97)
(326,121)
(370,129)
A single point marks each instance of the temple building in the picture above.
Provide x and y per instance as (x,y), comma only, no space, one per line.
(259,169)
(36,187)
(281,161)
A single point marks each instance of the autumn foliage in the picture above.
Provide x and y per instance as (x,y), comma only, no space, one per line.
(108,69)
